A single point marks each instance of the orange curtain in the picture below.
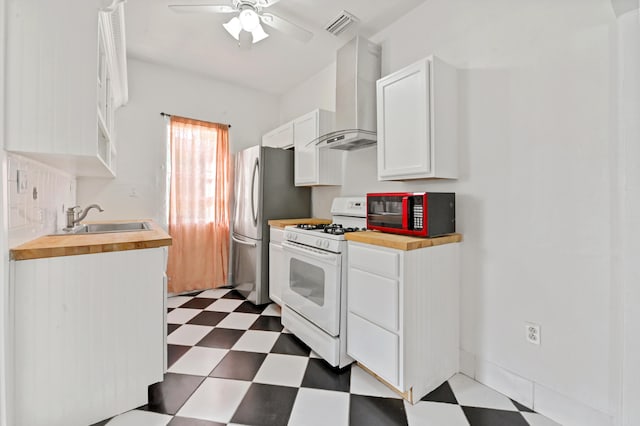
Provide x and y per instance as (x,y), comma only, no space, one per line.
(198,205)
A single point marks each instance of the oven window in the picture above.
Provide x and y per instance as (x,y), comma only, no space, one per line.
(307,280)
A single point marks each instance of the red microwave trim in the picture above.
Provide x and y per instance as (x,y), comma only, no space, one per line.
(405,212)
(397,194)
(423,233)
(404,196)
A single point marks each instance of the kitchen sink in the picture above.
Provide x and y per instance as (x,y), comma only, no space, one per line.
(102,228)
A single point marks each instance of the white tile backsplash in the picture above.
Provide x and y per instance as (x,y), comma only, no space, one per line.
(38,209)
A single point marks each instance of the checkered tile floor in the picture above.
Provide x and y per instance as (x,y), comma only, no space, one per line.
(232,363)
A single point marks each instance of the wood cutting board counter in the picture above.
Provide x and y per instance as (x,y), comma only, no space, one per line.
(75,244)
(281,223)
(400,242)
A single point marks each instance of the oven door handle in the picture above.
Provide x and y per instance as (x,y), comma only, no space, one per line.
(309,251)
(405,212)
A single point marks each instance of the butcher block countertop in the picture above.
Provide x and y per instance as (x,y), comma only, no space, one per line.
(281,223)
(400,242)
(71,245)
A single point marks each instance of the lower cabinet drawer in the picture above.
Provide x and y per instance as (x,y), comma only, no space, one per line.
(374,298)
(375,347)
(276,235)
(374,259)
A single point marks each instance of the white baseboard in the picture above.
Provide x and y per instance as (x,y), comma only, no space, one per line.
(467,363)
(559,408)
(567,411)
(508,383)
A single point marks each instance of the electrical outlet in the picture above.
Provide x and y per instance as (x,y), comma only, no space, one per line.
(23,181)
(532,333)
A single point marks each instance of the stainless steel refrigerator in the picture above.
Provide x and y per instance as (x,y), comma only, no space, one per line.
(263,190)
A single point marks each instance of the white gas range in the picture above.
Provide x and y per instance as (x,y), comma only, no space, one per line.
(315,294)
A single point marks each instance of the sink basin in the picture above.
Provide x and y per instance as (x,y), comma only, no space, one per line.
(102,228)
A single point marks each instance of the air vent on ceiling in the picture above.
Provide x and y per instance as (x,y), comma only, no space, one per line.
(340,23)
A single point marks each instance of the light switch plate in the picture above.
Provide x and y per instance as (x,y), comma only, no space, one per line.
(22,181)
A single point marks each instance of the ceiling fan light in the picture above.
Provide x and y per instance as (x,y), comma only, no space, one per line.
(249,19)
(233,27)
(259,34)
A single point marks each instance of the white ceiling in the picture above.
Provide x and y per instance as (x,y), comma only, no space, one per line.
(198,42)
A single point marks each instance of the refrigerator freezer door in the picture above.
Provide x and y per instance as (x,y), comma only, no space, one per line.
(247,265)
(247,186)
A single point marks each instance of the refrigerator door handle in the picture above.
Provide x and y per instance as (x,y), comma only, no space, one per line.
(254,212)
(242,242)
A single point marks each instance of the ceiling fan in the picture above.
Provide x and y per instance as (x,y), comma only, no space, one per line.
(250,15)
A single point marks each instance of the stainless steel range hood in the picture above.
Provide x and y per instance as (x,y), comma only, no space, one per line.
(357,70)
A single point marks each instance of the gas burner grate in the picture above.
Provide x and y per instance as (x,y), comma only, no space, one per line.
(308,226)
(338,229)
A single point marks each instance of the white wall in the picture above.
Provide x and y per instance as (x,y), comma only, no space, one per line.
(628,188)
(139,189)
(4,248)
(317,92)
(533,194)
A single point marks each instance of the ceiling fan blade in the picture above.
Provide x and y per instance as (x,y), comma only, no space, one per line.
(202,8)
(286,27)
(267,3)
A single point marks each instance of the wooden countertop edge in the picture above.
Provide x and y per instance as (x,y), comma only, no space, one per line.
(400,242)
(71,245)
(281,223)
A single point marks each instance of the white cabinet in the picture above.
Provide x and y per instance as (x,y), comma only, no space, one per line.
(282,137)
(402,314)
(417,122)
(66,75)
(110,78)
(88,335)
(315,166)
(277,265)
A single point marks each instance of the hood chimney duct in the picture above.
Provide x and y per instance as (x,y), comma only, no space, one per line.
(357,70)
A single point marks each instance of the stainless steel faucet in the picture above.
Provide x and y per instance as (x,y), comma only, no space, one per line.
(73,217)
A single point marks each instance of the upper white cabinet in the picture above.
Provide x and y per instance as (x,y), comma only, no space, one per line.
(66,76)
(282,137)
(315,166)
(417,122)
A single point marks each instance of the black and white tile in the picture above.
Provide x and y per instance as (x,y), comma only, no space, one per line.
(232,363)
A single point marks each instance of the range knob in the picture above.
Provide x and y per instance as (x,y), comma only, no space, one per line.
(319,243)
(326,244)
